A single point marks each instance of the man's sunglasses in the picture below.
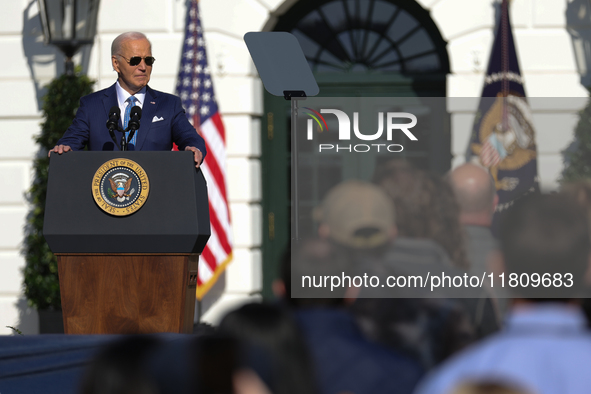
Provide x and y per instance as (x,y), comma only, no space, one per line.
(134,61)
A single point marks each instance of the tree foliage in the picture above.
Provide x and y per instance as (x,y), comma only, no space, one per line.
(578,158)
(59,107)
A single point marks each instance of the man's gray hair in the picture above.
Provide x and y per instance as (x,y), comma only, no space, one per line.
(121,38)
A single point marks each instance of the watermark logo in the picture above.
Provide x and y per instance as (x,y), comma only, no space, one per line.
(344,132)
(314,115)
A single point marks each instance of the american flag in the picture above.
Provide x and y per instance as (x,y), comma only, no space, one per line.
(195,88)
(492,152)
(489,155)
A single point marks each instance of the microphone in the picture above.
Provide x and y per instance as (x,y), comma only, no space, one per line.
(113,122)
(134,121)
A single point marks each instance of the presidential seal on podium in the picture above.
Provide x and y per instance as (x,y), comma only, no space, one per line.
(120,187)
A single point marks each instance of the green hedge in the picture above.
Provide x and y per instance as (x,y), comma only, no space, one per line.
(59,107)
(578,160)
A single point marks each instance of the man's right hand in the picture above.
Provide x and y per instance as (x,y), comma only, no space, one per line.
(59,149)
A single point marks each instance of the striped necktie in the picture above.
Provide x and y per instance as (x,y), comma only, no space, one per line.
(131,102)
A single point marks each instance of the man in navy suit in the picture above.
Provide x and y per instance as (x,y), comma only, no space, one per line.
(163,117)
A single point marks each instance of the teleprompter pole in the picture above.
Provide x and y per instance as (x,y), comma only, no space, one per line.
(294,96)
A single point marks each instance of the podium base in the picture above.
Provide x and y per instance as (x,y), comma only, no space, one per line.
(127,293)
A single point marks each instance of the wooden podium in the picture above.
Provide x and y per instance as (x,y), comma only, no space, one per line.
(127,250)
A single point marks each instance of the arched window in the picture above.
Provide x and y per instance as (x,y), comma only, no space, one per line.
(367,36)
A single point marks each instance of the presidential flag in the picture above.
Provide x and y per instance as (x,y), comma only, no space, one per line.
(195,88)
(503,138)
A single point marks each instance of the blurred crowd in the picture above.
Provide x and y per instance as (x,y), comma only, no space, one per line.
(514,339)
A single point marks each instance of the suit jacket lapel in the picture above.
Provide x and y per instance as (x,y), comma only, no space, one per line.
(148,111)
(109,101)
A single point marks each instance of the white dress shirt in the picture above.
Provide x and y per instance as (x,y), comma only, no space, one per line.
(123,95)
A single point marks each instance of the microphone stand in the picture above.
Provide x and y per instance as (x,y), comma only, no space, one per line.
(133,124)
(123,141)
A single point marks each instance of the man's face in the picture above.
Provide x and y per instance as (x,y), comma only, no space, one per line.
(133,78)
